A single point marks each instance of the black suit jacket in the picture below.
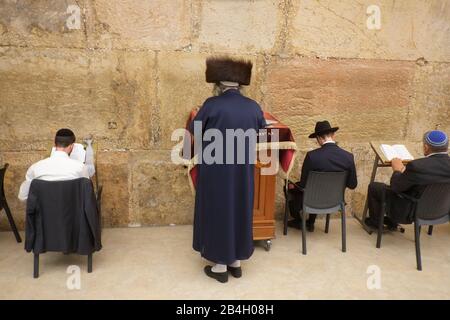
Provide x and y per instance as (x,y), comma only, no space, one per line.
(62,216)
(329,158)
(418,174)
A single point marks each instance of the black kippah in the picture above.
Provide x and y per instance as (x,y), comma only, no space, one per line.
(64,138)
(65,133)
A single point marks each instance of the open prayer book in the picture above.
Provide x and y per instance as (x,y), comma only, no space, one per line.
(85,156)
(396,151)
(78,152)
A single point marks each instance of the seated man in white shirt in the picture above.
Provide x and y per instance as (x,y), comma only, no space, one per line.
(58,166)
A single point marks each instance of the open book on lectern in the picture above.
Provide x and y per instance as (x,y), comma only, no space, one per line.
(396,151)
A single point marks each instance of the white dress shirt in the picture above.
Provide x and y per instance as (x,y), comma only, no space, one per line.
(58,167)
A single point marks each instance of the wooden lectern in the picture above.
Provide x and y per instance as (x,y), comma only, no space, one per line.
(380,162)
(264,207)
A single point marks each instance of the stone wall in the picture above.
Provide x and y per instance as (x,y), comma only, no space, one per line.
(132,69)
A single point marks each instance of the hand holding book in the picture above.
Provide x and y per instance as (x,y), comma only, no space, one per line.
(397,165)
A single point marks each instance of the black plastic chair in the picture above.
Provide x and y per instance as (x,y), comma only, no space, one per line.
(4,203)
(431,208)
(98,197)
(63,232)
(324,194)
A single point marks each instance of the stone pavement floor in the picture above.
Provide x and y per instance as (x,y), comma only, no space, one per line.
(159,263)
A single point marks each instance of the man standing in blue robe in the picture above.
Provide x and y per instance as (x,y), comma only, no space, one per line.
(223,220)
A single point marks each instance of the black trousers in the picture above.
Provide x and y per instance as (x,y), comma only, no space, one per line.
(374,197)
(296,204)
(399,210)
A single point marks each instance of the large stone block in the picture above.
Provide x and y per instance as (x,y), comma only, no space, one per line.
(42,23)
(430,107)
(238,26)
(409,29)
(156,24)
(181,87)
(109,94)
(160,190)
(114,175)
(367,99)
(132,84)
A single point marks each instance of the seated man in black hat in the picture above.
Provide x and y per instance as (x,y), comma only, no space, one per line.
(411,180)
(328,158)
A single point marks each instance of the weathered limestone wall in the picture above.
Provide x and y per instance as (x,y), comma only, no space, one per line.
(134,68)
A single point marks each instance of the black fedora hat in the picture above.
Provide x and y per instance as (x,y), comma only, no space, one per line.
(322,127)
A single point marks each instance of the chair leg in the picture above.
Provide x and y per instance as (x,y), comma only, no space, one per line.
(430,230)
(285,220)
(11,222)
(344,231)
(327,223)
(303,232)
(380,229)
(36,266)
(90,263)
(381,219)
(417,241)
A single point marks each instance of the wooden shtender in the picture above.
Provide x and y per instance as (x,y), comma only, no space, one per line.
(264,206)
(380,162)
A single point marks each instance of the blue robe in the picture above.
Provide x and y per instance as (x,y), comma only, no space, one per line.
(223,220)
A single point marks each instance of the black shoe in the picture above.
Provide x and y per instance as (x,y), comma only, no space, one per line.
(219,276)
(391,225)
(235,271)
(369,222)
(295,223)
(310,227)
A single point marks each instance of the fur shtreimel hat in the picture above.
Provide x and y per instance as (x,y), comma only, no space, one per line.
(227,69)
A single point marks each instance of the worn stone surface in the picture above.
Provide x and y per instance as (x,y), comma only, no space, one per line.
(133,70)
(113,174)
(108,94)
(430,104)
(140,24)
(178,91)
(239,26)
(364,98)
(41,23)
(409,29)
(160,193)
